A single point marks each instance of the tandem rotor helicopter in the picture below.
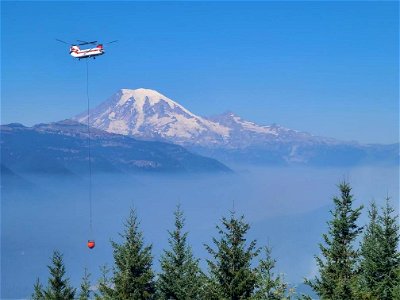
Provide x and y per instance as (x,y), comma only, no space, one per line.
(79,53)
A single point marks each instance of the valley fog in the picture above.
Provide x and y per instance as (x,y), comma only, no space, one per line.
(287,209)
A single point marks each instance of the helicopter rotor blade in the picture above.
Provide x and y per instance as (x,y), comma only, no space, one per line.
(111,42)
(63,42)
(86,43)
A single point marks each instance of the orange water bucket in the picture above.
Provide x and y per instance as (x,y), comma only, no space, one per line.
(91,244)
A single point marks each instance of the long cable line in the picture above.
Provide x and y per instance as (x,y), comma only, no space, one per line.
(89,148)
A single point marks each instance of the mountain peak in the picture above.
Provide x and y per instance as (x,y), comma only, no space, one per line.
(149,114)
(15,125)
(141,96)
(142,92)
(232,120)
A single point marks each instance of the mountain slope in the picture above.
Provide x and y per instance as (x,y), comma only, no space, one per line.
(147,114)
(62,147)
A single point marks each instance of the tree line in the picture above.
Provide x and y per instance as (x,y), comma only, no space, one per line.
(355,262)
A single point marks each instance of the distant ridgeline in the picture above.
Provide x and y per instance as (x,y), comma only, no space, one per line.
(142,130)
(62,148)
(146,114)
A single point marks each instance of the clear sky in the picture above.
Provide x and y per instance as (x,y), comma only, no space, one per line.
(329,68)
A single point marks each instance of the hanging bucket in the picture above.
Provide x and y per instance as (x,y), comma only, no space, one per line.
(90,244)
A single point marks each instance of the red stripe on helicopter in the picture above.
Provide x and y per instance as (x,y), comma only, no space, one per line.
(87,51)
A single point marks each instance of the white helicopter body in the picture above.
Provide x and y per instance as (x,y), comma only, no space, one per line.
(76,52)
(79,53)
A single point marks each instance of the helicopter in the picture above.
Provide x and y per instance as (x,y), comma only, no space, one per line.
(79,53)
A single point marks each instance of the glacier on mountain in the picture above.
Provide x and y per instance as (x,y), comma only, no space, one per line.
(147,114)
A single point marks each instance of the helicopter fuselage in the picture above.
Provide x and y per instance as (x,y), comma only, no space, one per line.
(76,52)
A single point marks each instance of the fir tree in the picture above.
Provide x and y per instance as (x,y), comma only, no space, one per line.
(371,253)
(85,287)
(181,277)
(337,266)
(232,276)
(58,287)
(390,259)
(133,275)
(37,291)
(380,257)
(104,291)
(391,255)
(270,286)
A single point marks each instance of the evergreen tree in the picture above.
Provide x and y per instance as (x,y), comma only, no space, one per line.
(37,291)
(85,287)
(104,291)
(337,266)
(371,253)
(133,276)
(270,286)
(380,257)
(181,277)
(231,274)
(390,260)
(58,287)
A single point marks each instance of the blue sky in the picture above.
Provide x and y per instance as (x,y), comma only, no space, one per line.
(329,68)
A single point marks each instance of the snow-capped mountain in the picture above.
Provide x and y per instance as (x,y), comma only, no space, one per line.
(243,133)
(147,114)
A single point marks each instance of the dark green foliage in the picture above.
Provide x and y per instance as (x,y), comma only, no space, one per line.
(371,252)
(37,291)
(337,266)
(380,256)
(390,256)
(396,288)
(270,286)
(104,291)
(304,297)
(58,287)
(372,273)
(133,276)
(181,277)
(85,287)
(231,274)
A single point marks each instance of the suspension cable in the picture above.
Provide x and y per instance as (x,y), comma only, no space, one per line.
(89,147)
